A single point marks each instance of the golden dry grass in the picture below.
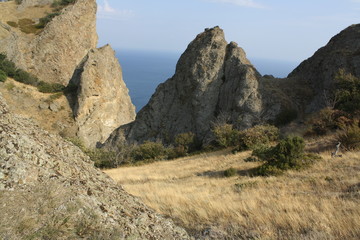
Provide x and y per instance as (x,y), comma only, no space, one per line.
(318,203)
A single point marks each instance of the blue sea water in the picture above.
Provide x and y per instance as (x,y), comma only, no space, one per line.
(143,71)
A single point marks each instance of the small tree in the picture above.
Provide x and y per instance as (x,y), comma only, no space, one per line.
(287,154)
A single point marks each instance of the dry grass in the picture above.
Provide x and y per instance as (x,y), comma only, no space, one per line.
(319,203)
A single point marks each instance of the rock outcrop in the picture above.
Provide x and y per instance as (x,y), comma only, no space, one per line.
(103,101)
(49,55)
(319,71)
(49,189)
(66,50)
(212,78)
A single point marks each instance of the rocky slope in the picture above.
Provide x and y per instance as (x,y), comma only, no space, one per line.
(50,190)
(66,50)
(49,55)
(319,71)
(103,102)
(213,79)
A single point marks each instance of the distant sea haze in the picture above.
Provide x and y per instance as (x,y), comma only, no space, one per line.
(143,71)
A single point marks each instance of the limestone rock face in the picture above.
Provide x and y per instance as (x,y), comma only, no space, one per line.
(212,78)
(103,101)
(319,71)
(52,184)
(53,54)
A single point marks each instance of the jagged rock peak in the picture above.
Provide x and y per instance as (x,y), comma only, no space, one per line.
(103,101)
(54,185)
(211,77)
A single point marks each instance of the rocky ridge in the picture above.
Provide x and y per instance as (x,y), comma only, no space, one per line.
(50,189)
(213,79)
(319,71)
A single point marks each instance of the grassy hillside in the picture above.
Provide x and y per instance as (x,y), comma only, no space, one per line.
(321,202)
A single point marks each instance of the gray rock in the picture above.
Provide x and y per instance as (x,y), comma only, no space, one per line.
(103,101)
(54,107)
(44,106)
(212,78)
(44,177)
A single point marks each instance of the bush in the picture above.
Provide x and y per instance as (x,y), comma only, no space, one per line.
(230,172)
(285,116)
(347,92)
(3,76)
(184,143)
(45,87)
(8,67)
(27,26)
(102,158)
(149,151)
(225,135)
(257,136)
(25,77)
(350,137)
(327,120)
(287,154)
(45,20)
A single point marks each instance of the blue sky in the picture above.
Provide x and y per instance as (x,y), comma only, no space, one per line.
(272,29)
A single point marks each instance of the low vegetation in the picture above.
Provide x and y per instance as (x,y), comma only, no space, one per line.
(320,202)
(8,69)
(288,154)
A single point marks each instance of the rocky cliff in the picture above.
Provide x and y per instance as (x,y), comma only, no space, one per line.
(50,190)
(212,79)
(66,50)
(103,102)
(319,71)
(49,55)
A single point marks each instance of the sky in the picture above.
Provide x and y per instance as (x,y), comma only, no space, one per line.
(289,30)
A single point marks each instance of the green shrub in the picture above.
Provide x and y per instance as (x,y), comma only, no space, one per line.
(25,77)
(285,116)
(3,76)
(149,151)
(102,158)
(287,154)
(45,20)
(350,137)
(18,1)
(45,87)
(347,92)
(7,66)
(257,136)
(225,135)
(230,172)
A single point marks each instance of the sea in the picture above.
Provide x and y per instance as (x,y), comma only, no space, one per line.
(143,71)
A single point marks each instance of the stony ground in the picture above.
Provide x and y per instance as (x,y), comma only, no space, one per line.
(49,189)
